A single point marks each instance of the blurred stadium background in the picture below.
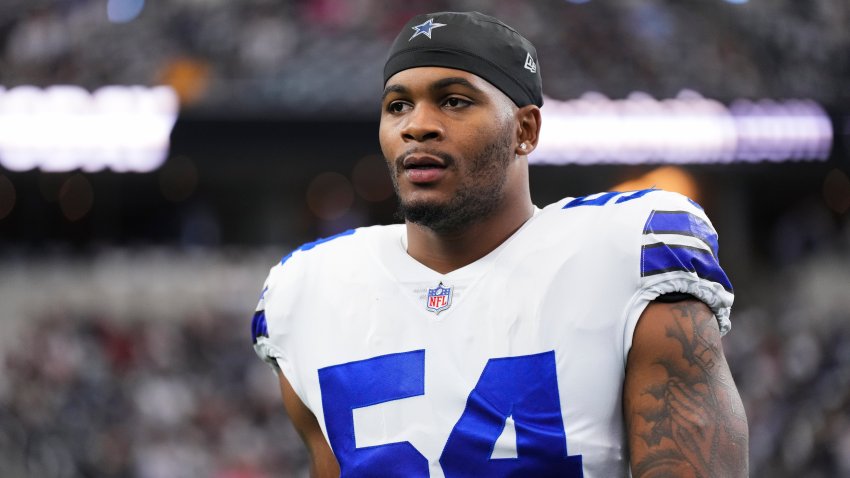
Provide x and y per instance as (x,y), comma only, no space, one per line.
(156,158)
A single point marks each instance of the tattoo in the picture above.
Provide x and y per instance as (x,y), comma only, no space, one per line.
(694,420)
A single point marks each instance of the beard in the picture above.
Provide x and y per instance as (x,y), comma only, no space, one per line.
(479,194)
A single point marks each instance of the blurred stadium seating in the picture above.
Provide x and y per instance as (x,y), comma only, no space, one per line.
(125,298)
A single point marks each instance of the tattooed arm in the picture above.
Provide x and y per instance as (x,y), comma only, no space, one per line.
(683,414)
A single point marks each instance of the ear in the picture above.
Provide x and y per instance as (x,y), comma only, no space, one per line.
(528,129)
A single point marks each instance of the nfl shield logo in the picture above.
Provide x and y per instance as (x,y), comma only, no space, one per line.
(439,299)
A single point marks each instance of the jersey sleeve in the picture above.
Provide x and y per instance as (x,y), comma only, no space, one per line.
(263,346)
(283,319)
(679,254)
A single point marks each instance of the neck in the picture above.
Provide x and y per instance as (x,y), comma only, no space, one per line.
(448,251)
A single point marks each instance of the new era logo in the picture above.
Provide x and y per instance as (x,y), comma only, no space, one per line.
(530,64)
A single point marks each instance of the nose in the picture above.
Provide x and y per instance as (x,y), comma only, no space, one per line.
(422,124)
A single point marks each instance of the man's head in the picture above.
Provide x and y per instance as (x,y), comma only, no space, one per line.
(459,113)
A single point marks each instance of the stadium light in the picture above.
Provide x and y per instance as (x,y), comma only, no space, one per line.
(687,129)
(64,128)
(123,11)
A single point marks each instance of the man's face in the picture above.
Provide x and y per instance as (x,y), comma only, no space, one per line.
(449,138)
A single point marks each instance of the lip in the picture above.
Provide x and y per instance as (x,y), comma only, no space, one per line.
(423,168)
(422,160)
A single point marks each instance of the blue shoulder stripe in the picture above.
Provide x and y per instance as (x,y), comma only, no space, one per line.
(682,223)
(659,258)
(259,327)
(310,245)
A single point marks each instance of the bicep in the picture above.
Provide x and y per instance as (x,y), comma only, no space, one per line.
(323,462)
(682,409)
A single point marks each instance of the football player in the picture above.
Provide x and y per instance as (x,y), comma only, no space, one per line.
(486,337)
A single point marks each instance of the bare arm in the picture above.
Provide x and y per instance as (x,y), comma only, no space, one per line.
(323,464)
(683,414)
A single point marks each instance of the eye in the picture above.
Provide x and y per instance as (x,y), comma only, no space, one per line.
(456,102)
(398,107)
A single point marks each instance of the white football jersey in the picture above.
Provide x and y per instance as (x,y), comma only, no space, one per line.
(510,366)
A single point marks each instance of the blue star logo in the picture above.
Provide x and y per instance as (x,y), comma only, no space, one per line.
(425,28)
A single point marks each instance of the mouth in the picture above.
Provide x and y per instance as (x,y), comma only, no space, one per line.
(423,161)
(423,168)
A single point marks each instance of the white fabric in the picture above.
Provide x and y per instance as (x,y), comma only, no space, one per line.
(568,281)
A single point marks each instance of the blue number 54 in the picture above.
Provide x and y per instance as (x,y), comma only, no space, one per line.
(524,388)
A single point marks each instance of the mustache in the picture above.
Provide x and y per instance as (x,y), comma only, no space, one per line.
(448,159)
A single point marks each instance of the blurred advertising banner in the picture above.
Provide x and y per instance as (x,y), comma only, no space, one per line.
(66,128)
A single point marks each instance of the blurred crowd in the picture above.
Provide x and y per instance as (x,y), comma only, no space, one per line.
(87,396)
(306,57)
(790,354)
(138,364)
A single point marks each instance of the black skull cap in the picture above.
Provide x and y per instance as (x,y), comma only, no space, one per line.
(472,42)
